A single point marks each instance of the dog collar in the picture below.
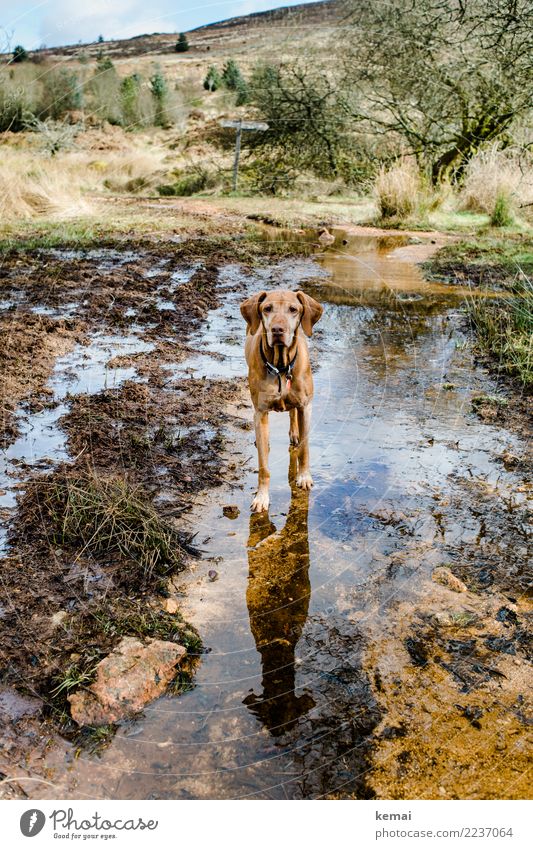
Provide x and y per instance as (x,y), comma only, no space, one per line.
(277,372)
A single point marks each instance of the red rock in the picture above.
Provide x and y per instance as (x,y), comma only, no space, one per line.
(134,674)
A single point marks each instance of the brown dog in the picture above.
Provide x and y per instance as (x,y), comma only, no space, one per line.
(279,374)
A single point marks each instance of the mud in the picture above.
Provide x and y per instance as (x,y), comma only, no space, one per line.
(334,663)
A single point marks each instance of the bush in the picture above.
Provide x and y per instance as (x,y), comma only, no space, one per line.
(15,113)
(129,95)
(182,45)
(188,184)
(502,215)
(159,89)
(61,94)
(398,190)
(212,79)
(104,93)
(231,76)
(20,54)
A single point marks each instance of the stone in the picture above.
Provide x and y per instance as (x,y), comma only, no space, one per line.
(14,706)
(171,605)
(133,674)
(231,511)
(443,575)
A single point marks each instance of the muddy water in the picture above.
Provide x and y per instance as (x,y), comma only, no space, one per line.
(311,605)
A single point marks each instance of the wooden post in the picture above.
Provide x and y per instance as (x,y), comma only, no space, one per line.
(240,126)
(237,155)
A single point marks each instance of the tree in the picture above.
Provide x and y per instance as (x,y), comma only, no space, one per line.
(159,89)
(212,79)
(439,78)
(182,45)
(231,75)
(303,108)
(100,39)
(20,54)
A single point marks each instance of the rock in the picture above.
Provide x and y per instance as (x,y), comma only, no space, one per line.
(134,674)
(212,574)
(443,575)
(230,511)
(171,605)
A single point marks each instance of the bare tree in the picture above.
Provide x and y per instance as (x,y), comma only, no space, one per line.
(442,77)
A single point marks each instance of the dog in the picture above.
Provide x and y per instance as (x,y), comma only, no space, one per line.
(279,375)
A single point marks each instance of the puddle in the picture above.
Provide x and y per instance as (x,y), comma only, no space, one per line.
(286,701)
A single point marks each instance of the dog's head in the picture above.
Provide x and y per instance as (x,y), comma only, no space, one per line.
(281,313)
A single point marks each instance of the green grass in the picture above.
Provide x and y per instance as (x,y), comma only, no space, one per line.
(492,259)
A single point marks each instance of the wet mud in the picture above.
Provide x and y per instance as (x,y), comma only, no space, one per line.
(371,639)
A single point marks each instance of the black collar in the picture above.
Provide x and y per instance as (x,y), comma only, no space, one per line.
(277,372)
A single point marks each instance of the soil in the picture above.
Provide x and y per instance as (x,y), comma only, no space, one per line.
(372,678)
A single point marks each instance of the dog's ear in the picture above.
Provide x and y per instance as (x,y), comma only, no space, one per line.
(250,311)
(312,312)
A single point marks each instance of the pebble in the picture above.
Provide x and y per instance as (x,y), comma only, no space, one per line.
(171,605)
(444,576)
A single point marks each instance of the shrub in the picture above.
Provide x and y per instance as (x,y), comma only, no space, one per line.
(61,93)
(15,112)
(212,79)
(182,45)
(104,93)
(129,95)
(398,190)
(502,215)
(231,75)
(20,54)
(159,89)
(188,184)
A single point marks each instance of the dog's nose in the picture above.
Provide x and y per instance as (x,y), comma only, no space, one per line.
(277,330)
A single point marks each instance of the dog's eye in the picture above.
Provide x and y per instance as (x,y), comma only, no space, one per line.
(293,309)
(267,309)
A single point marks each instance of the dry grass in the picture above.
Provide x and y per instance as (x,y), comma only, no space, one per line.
(101,517)
(32,186)
(399,190)
(495,177)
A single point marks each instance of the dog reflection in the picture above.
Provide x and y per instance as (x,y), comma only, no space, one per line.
(278,603)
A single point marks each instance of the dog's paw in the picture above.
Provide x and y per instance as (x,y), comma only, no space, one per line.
(304,480)
(260,502)
(294,439)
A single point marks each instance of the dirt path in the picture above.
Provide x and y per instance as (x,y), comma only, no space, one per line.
(370,639)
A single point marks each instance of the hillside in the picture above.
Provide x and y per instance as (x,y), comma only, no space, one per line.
(234,35)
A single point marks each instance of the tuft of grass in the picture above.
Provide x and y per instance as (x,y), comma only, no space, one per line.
(502,214)
(504,330)
(399,191)
(102,516)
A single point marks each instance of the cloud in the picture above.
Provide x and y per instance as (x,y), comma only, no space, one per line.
(67,22)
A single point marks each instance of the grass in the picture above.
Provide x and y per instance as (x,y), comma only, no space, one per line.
(494,258)
(505,331)
(102,517)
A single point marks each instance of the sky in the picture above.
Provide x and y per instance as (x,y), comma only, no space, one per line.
(34,23)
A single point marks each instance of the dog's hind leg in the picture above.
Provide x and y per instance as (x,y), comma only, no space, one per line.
(294,433)
(262,500)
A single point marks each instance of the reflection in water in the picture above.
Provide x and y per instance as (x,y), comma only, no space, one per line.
(278,602)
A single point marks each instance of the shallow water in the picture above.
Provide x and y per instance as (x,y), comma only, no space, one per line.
(284,705)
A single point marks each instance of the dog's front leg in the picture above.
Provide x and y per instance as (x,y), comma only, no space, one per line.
(304,479)
(261,500)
